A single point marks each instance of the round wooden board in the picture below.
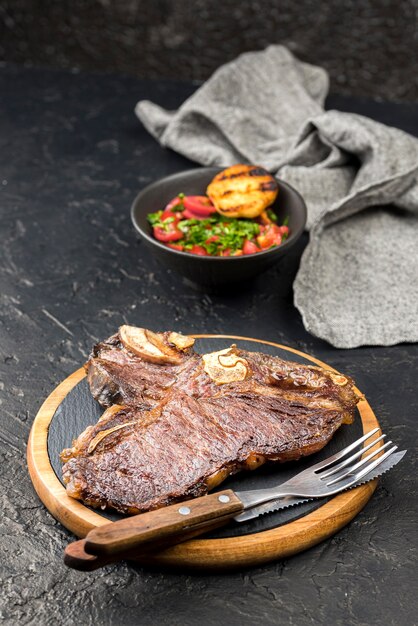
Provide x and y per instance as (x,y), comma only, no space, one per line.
(208,554)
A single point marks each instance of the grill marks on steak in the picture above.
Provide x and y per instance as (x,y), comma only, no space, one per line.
(188,445)
(181,434)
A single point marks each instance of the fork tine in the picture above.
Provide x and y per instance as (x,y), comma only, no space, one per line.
(342,453)
(340,466)
(375,463)
(356,479)
(361,463)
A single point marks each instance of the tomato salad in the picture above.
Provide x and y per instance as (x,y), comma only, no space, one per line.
(192,224)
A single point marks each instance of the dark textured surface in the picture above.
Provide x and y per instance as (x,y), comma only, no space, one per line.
(72,158)
(369,47)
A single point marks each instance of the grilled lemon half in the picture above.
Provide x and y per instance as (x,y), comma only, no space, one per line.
(242,191)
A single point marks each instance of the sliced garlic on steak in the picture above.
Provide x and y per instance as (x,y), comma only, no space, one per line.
(182,342)
(148,345)
(226,366)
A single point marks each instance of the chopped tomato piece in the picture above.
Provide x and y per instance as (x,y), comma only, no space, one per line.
(199,205)
(284,230)
(173,203)
(265,241)
(190,215)
(212,239)
(270,236)
(226,252)
(175,246)
(250,247)
(178,215)
(172,234)
(199,250)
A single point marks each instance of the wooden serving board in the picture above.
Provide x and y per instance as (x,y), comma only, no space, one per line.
(70,408)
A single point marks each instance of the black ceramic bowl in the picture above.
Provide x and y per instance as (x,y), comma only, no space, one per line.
(213,272)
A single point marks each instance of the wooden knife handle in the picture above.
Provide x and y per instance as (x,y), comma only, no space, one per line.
(76,557)
(153,530)
(166,523)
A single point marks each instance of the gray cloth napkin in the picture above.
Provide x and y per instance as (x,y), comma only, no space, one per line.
(358,279)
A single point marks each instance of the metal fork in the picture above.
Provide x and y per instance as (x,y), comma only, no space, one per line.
(315,482)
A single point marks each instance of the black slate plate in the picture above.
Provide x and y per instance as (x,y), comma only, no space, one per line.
(78,410)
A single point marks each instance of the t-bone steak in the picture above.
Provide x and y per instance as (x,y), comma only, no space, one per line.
(178,423)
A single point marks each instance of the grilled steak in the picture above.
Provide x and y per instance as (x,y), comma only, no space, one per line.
(189,423)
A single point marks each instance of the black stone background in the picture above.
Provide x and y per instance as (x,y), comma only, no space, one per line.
(370,47)
(72,158)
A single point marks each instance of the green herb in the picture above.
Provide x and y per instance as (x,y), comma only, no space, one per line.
(286,221)
(155,218)
(180,205)
(272,215)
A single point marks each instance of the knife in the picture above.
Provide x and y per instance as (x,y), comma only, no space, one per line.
(159,529)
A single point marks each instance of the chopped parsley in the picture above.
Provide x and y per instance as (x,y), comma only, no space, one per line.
(155,218)
(272,215)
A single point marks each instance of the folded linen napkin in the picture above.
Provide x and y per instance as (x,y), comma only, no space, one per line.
(358,279)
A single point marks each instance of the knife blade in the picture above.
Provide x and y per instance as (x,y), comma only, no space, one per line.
(288,501)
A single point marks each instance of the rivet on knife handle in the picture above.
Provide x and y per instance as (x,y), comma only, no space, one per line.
(156,527)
